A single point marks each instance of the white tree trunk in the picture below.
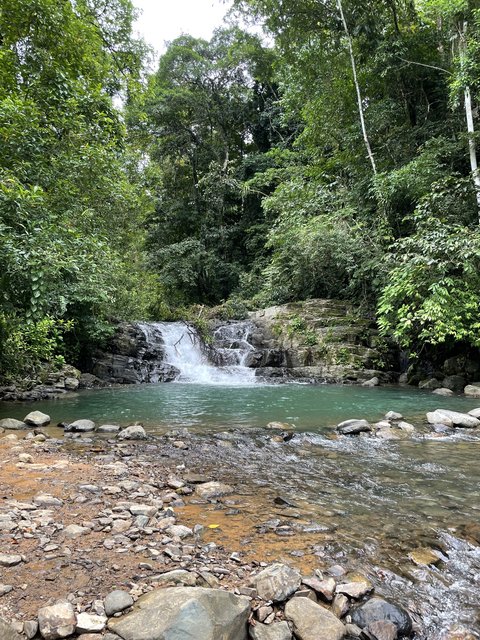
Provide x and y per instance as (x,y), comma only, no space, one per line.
(357,88)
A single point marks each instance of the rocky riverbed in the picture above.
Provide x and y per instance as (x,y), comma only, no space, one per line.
(114,534)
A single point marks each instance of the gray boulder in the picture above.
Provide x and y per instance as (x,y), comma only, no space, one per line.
(377,609)
(453,418)
(276,631)
(11,423)
(7,632)
(81,426)
(57,621)
(430,383)
(312,622)
(352,427)
(37,419)
(454,383)
(475,413)
(277,582)
(135,432)
(116,601)
(108,428)
(472,390)
(181,613)
(443,392)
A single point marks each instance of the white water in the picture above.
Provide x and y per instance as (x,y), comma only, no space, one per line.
(184,350)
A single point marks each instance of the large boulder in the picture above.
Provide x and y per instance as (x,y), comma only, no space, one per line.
(179,613)
(37,419)
(378,609)
(312,622)
(277,582)
(453,418)
(454,383)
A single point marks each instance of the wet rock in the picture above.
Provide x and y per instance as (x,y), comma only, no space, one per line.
(116,601)
(442,428)
(57,621)
(172,614)
(406,426)
(424,556)
(7,560)
(378,609)
(475,413)
(313,622)
(285,502)
(281,426)
(11,423)
(472,390)
(355,589)
(135,432)
(37,419)
(276,631)
(373,382)
(7,632)
(89,623)
(213,490)
(277,582)
(352,427)
(442,391)
(431,383)
(454,418)
(108,428)
(81,426)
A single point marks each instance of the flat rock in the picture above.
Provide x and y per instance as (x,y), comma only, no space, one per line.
(57,621)
(475,413)
(313,622)
(138,509)
(108,428)
(456,419)
(443,391)
(352,427)
(80,426)
(9,560)
(135,432)
(7,632)
(90,623)
(213,490)
(37,419)
(393,415)
(275,631)
(177,576)
(75,531)
(11,423)
(378,609)
(325,588)
(46,500)
(424,556)
(174,613)
(355,589)
(116,601)
(277,582)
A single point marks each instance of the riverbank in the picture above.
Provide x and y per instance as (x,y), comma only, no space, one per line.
(86,517)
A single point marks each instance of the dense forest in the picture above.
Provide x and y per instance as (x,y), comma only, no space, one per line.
(336,157)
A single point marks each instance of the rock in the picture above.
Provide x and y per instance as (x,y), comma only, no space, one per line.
(81,426)
(352,427)
(90,623)
(276,631)
(174,613)
(443,392)
(75,531)
(108,428)
(353,631)
(475,413)
(11,423)
(143,510)
(325,588)
(26,458)
(424,556)
(135,432)
(313,622)
(7,560)
(116,601)
(378,609)
(37,419)
(179,531)
(373,382)
(57,621)
(393,415)
(281,426)
(442,428)
(30,628)
(454,383)
(454,417)
(5,588)
(46,500)
(406,426)
(277,582)
(381,630)
(355,589)
(431,383)
(340,605)
(177,576)
(71,384)
(472,390)
(213,490)
(7,632)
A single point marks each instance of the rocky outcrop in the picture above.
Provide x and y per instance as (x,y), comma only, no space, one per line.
(49,384)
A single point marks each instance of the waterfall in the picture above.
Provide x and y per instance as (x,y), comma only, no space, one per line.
(184,350)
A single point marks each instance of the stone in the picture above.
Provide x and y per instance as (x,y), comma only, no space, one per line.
(340,605)
(393,415)
(373,382)
(276,631)
(116,601)
(174,613)
(326,588)
(75,531)
(277,582)
(108,428)
(135,432)
(312,622)
(431,383)
(46,500)
(179,531)
(443,392)
(143,510)
(353,426)
(378,609)
(57,621)
(213,490)
(456,419)
(71,384)
(472,390)
(90,623)
(475,413)
(435,417)
(7,632)
(381,630)
(177,576)
(424,556)
(355,589)
(81,426)
(454,383)
(25,458)
(9,560)
(5,588)
(406,426)
(37,419)
(30,628)
(11,423)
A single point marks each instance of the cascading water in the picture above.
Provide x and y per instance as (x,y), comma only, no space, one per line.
(184,349)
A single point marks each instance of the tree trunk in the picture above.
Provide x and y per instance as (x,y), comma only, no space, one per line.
(357,88)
